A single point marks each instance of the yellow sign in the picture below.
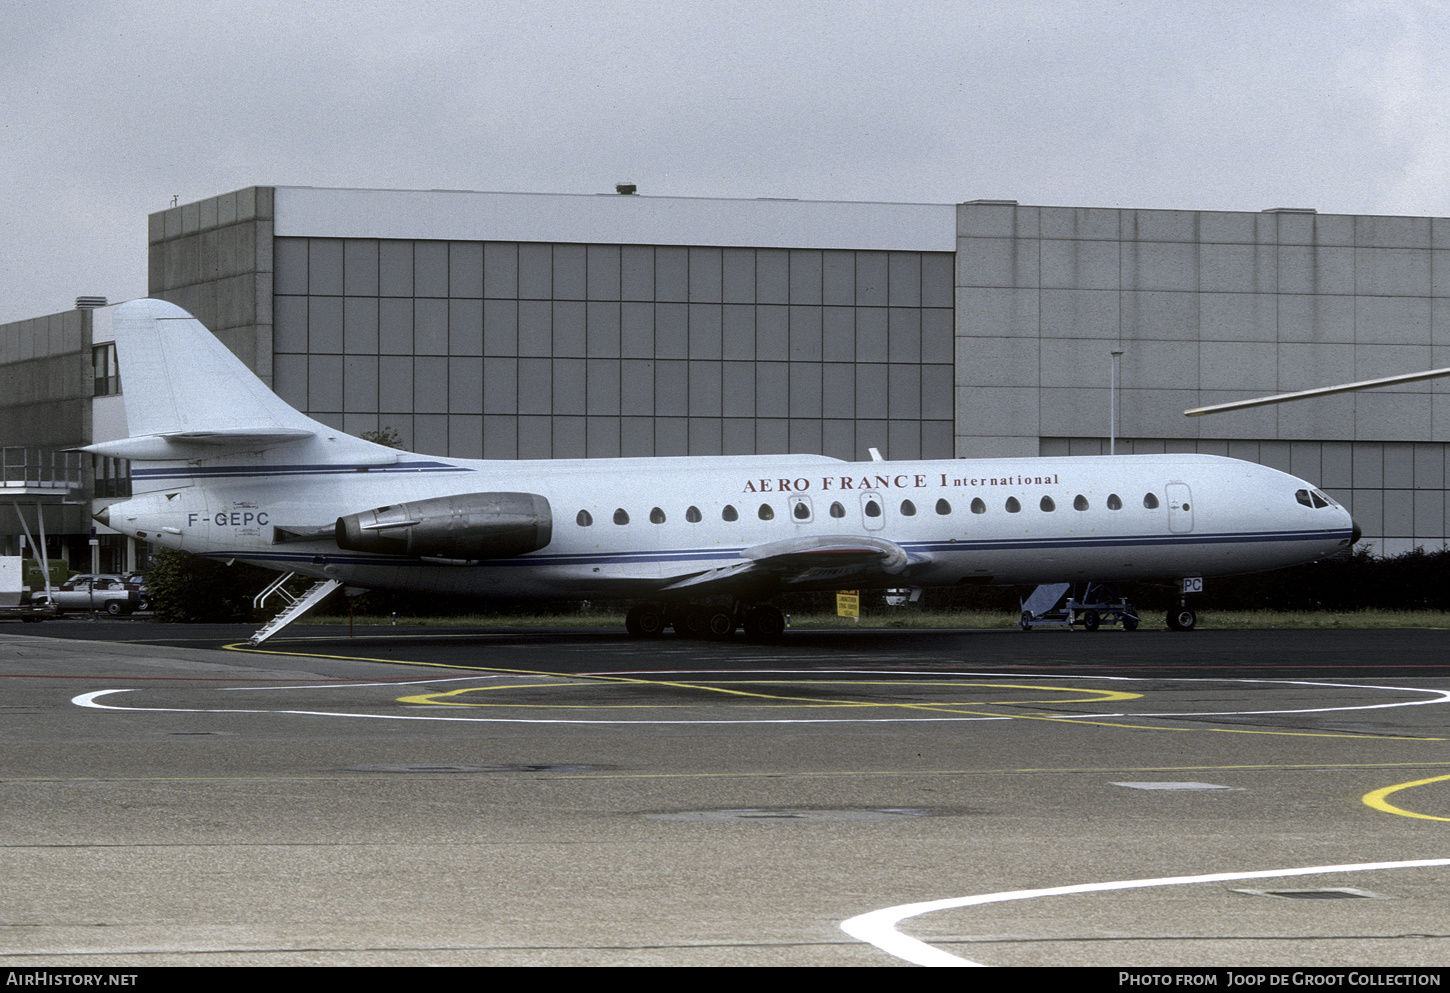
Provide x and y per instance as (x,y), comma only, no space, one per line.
(848,603)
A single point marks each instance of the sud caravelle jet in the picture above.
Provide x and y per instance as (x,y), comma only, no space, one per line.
(222,467)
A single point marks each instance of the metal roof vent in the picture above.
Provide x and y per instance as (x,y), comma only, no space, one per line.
(628,189)
(89,303)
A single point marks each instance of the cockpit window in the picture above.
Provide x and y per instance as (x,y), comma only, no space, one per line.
(1320,500)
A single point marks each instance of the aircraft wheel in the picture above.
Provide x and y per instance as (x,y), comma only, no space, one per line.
(719,624)
(1182,619)
(691,623)
(764,623)
(644,621)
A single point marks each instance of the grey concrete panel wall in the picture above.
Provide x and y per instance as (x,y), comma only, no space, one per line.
(215,258)
(559,350)
(1209,307)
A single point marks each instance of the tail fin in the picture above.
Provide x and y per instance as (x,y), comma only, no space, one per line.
(179,379)
(188,396)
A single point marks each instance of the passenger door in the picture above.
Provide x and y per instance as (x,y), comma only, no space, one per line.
(1180,508)
(873,511)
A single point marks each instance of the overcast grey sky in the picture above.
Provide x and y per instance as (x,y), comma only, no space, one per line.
(111,108)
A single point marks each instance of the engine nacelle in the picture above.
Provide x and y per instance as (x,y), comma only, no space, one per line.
(462,528)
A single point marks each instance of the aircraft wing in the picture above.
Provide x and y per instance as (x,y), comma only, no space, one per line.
(798,562)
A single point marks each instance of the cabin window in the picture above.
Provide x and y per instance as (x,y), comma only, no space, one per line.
(766,512)
(908,509)
(584,519)
(729,513)
(1013,507)
(873,509)
(1150,501)
(943,507)
(657,516)
(802,511)
(1047,505)
(1114,502)
(693,515)
(620,517)
(1080,502)
(978,507)
(837,510)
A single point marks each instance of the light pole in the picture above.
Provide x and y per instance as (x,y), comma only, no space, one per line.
(1113,404)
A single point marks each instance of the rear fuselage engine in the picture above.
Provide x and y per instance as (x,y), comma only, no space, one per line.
(469,527)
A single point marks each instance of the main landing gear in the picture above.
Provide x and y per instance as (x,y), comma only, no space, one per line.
(761,621)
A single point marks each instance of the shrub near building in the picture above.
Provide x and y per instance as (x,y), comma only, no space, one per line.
(187,588)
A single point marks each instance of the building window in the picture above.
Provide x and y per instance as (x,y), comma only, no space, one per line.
(103,366)
(113,476)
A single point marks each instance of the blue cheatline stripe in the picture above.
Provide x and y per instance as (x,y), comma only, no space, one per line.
(715,554)
(244,471)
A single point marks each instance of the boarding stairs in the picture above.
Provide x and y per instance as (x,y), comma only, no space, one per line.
(296,605)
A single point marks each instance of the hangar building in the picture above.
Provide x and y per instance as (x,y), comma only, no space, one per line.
(500,325)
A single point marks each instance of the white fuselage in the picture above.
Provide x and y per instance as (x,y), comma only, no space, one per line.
(1098,518)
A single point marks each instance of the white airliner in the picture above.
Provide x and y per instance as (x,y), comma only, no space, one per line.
(222,467)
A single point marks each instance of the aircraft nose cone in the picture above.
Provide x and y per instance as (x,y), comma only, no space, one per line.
(104,516)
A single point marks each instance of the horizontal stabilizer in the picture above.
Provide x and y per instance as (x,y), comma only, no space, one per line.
(195,444)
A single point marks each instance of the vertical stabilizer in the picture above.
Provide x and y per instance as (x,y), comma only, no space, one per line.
(179,380)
